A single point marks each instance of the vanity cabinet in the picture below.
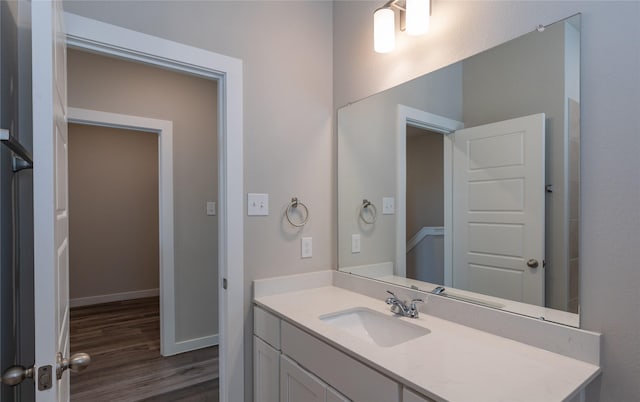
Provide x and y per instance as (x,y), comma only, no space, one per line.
(290,365)
(277,377)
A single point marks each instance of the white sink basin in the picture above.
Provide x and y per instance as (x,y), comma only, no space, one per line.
(374,327)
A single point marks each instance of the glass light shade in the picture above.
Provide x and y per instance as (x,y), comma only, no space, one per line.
(418,12)
(384,30)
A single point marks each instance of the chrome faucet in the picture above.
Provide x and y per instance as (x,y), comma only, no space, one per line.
(400,307)
(439,290)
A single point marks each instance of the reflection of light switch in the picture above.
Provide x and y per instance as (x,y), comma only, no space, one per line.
(257,204)
(355,243)
(388,207)
(211,208)
(307,247)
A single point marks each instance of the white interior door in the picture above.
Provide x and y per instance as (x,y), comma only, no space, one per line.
(51,259)
(498,209)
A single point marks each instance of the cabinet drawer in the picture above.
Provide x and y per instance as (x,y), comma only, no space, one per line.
(266,326)
(355,380)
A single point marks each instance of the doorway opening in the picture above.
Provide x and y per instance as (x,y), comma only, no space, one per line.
(106,39)
(425,205)
(186,243)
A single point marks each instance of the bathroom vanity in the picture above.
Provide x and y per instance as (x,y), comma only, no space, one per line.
(323,337)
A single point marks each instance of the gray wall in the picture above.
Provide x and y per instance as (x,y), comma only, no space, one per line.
(111,85)
(610,188)
(113,203)
(367,163)
(289,148)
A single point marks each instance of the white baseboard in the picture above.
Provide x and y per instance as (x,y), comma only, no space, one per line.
(113,297)
(192,344)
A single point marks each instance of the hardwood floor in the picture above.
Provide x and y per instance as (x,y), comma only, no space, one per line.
(123,339)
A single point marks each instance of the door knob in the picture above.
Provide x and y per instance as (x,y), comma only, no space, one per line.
(532,263)
(77,362)
(14,375)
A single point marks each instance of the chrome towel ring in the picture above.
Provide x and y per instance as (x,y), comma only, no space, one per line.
(293,205)
(372,212)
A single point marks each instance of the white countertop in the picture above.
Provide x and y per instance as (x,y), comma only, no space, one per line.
(452,363)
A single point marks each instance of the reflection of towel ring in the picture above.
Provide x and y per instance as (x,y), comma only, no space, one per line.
(293,205)
(368,205)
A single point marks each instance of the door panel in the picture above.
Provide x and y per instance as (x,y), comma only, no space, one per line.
(498,209)
(51,256)
(298,385)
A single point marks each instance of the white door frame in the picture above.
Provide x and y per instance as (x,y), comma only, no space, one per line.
(164,129)
(91,35)
(439,124)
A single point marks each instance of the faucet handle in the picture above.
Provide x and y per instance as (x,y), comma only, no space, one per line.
(413,309)
(392,298)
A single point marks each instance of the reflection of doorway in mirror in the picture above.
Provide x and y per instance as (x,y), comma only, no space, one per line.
(425,205)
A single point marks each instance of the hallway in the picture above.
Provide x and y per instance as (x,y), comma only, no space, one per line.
(123,339)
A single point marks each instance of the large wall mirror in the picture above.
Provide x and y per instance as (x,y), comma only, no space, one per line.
(465,181)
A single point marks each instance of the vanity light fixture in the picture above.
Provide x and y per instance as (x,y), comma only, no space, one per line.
(414,19)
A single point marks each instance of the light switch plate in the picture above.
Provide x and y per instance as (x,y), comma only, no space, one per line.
(355,243)
(257,204)
(211,208)
(307,247)
(388,206)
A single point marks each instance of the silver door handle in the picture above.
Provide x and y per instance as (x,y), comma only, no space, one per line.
(77,362)
(14,375)
(532,263)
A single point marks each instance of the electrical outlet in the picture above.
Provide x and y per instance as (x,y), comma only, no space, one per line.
(257,204)
(355,243)
(307,247)
(388,206)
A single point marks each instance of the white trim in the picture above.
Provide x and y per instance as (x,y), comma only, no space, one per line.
(87,34)
(422,233)
(164,129)
(197,343)
(432,122)
(113,297)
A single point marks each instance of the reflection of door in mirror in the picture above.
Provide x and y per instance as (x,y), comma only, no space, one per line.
(498,209)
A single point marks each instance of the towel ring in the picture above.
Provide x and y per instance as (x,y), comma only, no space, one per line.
(368,205)
(294,204)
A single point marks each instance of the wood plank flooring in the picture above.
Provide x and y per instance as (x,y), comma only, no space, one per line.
(123,339)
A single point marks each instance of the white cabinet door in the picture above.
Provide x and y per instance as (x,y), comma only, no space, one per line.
(298,385)
(410,396)
(266,372)
(335,396)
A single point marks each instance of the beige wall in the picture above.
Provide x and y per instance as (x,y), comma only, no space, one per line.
(117,86)
(610,188)
(425,180)
(113,204)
